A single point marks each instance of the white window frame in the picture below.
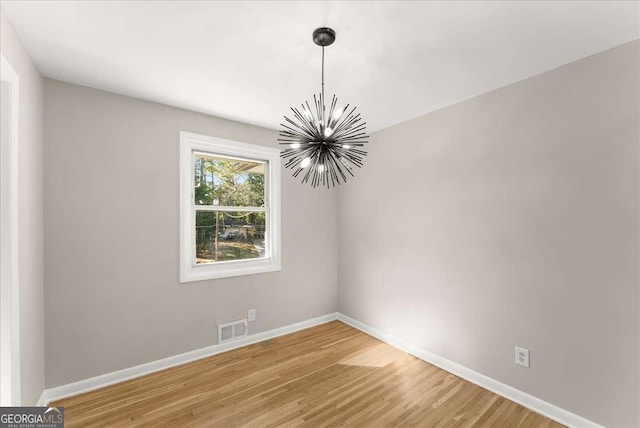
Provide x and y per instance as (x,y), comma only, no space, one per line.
(191,143)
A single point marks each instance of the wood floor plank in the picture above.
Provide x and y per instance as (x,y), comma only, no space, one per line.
(326,376)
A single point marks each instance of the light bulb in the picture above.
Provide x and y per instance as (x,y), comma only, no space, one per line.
(328,132)
(346,146)
(295,146)
(305,162)
(337,114)
(321,168)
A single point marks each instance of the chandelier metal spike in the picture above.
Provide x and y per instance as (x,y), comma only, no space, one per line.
(323,146)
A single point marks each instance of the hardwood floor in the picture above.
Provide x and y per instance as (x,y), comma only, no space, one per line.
(326,376)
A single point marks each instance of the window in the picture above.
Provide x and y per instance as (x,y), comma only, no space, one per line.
(230,208)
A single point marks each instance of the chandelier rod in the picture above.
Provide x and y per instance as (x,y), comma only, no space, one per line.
(323,107)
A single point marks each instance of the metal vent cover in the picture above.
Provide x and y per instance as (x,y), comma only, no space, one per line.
(233,330)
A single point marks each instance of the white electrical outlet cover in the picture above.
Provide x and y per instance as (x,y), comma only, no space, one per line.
(522,357)
(252,315)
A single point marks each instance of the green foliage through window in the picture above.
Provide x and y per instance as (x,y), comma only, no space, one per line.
(228,182)
(226,234)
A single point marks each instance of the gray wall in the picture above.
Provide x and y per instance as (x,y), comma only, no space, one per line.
(113,299)
(30,212)
(511,219)
(508,219)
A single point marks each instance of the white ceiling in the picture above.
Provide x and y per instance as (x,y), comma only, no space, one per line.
(251,61)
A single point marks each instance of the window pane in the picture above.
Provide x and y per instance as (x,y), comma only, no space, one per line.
(228,182)
(223,236)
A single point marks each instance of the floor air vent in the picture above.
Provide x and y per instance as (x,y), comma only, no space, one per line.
(232,331)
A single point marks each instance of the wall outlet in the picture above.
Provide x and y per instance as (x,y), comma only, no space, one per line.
(522,357)
(251,315)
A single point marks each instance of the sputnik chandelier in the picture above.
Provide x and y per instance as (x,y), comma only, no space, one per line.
(324,145)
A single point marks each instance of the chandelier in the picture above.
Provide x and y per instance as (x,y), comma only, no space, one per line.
(323,144)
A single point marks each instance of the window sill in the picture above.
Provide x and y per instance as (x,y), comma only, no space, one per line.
(228,269)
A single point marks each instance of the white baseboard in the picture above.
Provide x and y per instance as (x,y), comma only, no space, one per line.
(42,401)
(101,381)
(537,405)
